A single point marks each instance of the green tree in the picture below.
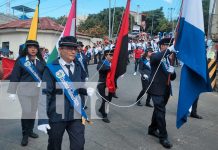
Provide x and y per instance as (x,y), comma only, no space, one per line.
(97,24)
(160,23)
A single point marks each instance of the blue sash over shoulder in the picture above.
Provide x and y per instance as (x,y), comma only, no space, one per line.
(69,90)
(29,67)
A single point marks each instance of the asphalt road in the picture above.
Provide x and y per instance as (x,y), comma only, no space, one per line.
(128,127)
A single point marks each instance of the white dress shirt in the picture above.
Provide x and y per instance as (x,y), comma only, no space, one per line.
(63,63)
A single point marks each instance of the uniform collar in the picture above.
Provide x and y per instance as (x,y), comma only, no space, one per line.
(27,58)
(63,62)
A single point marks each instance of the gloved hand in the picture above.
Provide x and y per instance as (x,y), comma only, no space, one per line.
(172,49)
(171,69)
(145,76)
(44,128)
(90,91)
(86,79)
(12,97)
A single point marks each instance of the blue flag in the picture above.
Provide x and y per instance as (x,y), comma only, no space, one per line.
(192,52)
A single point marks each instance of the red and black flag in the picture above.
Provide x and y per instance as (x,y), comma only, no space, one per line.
(120,57)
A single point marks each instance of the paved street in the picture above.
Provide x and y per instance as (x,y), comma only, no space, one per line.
(128,127)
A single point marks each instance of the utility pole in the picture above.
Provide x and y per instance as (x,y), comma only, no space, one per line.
(171,17)
(137,17)
(211,15)
(109,31)
(8,7)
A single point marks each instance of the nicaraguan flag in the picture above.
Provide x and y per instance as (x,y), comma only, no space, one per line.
(192,52)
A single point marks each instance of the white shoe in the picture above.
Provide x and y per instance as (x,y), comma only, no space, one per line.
(134,73)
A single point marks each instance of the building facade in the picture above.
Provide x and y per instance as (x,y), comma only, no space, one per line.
(14,33)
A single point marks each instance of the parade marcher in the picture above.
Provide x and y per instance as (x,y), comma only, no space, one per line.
(145,70)
(104,67)
(160,89)
(100,50)
(88,54)
(194,110)
(129,50)
(64,71)
(25,81)
(82,59)
(11,55)
(137,55)
(95,52)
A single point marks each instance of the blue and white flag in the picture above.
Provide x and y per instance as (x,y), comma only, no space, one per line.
(192,52)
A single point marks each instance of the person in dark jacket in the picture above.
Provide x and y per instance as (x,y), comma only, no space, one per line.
(25,81)
(145,70)
(64,71)
(160,89)
(82,59)
(194,113)
(104,67)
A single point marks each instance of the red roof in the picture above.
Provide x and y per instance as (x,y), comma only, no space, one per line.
(44,24)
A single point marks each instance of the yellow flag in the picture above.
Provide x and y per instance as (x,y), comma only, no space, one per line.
(34,25)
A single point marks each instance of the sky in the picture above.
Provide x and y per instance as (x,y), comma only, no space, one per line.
(57,8)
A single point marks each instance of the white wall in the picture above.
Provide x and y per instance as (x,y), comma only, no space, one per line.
(47,39)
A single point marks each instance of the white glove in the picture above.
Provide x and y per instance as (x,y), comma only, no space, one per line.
(145,76)
(90,91)
(12,97)
(171,69)
(44,128)
(86,79)
(172,49)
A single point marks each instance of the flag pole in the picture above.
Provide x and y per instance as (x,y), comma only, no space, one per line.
(172,60)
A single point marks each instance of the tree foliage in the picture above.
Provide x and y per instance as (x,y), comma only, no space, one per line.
(97,24)
(160,23)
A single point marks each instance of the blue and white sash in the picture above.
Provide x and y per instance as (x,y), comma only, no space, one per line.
(29,67)
(69,90)
(79,57)
(106,62)
(165,64)
(147,63)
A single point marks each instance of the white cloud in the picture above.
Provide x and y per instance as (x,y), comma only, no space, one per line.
(168,1)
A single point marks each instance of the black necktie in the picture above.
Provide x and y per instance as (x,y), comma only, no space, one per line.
(33,62)
(70,72)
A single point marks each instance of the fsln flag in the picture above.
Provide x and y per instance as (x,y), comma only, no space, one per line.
(69,30)
(192,52)
(34,25)
(120,57)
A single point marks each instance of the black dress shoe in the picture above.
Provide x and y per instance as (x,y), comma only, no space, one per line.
(196,116)
(115,95)
(106,120)
(24,141)
(148,105)
(33,135)
(166,143)
(153,133)
(139,104)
